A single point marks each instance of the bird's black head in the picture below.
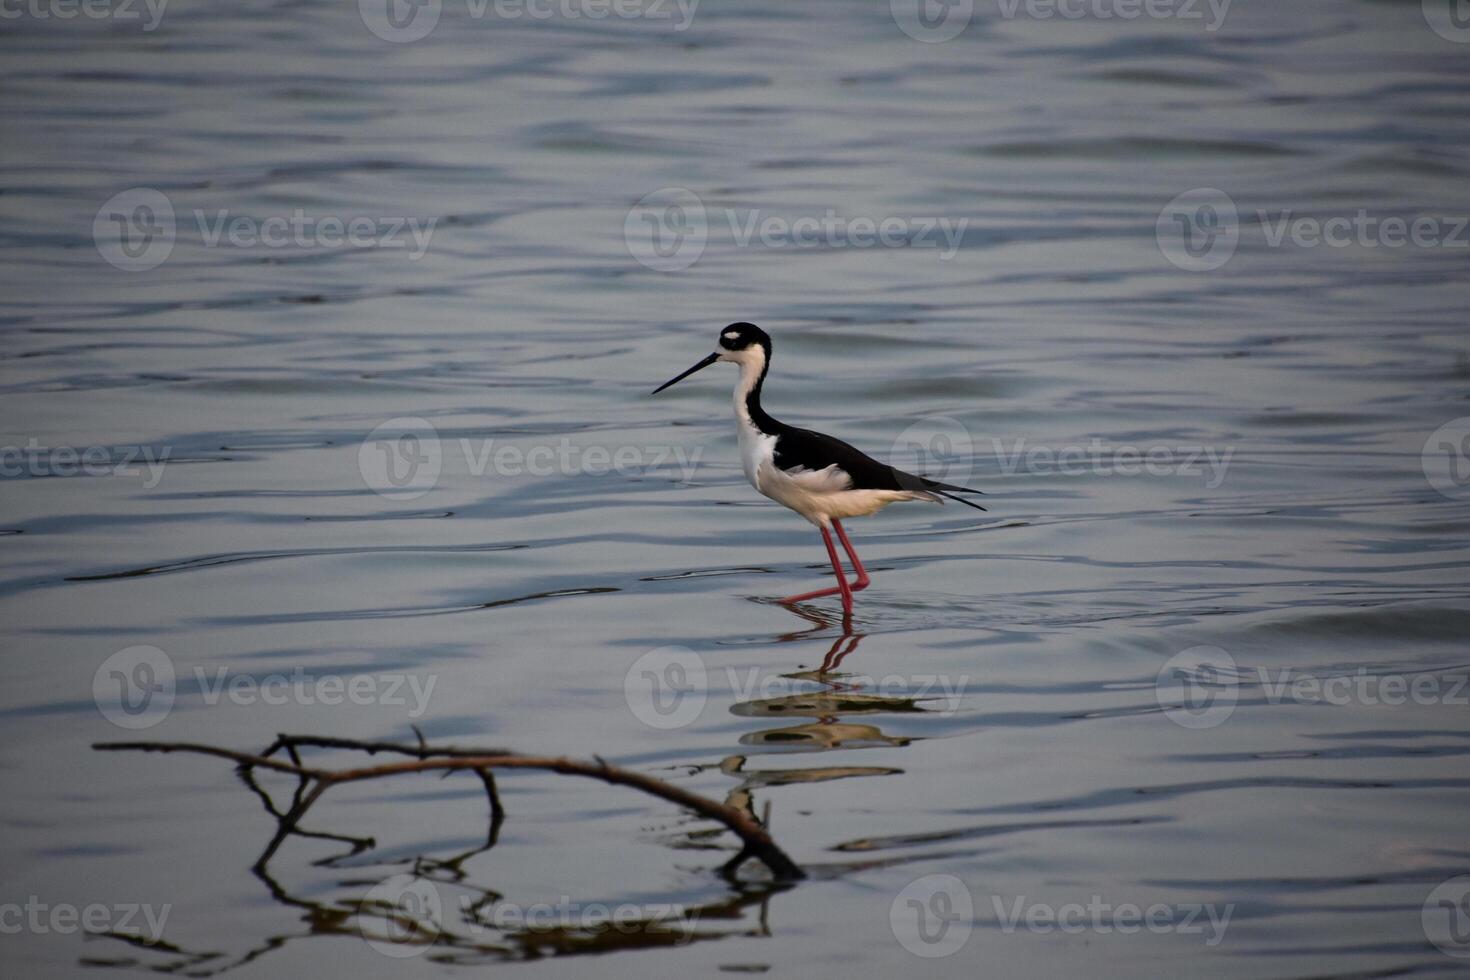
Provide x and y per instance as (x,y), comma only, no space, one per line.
(744,344)
(739,336)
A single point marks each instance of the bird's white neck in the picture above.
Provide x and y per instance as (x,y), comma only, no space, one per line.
(752,363)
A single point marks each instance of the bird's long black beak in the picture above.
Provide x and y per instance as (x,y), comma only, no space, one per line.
(698,367)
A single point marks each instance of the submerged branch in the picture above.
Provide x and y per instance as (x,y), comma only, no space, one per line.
(756,841)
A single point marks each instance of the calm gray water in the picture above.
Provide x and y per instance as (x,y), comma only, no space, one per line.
(1194,685)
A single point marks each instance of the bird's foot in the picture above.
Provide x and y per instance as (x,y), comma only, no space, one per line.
(789,600)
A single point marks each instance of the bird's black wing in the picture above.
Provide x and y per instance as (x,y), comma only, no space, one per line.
(805,449)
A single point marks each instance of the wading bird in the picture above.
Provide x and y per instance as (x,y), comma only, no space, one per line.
(821,478)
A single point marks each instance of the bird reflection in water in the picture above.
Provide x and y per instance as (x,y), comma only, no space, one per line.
(820,716)
(842,646)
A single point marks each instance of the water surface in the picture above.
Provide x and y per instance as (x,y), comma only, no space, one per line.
(996,714)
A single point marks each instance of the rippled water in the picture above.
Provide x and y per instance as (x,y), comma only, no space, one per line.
(1021,700)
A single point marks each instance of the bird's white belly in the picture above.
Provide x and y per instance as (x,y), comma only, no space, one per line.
(817,495)
(756,450)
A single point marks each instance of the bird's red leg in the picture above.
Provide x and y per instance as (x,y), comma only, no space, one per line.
(836,570)
(857,564)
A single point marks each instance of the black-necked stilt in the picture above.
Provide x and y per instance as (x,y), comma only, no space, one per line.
(821,478)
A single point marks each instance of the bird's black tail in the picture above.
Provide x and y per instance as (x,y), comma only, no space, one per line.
(949,490)
(922,484)
(962,500)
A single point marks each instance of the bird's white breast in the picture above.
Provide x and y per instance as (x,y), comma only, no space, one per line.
(757,451)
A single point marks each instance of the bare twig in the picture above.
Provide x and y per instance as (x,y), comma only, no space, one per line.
(756,841)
